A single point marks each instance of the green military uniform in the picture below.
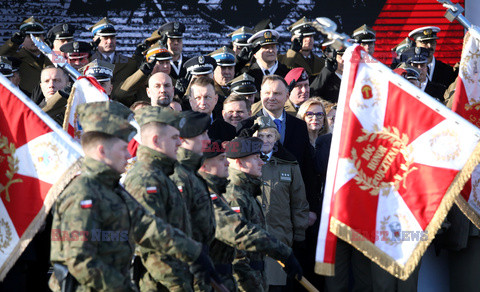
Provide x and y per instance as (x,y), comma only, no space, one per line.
(148,182)
(97,222)
(241,194)
(234,232)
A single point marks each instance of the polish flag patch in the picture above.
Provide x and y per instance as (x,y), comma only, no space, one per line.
(236,209)
(151,190)
(213,197)
(180,188)
(85,204)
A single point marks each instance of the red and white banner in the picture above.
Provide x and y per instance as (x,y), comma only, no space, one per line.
(85,89)
(35,153)
(466,102)
(397,162)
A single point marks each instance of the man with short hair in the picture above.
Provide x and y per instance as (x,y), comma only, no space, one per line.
(95,202)
(150,185)
(160,89)
(53,84)
(203,99)
(365,36)
(172,38)
(235,109)
(59,35)
(77,53)
(225,70)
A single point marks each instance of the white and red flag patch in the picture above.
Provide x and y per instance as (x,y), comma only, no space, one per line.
(86,204)
(151,190)
(398,160)
(466,102)
(35,153)
(236,209)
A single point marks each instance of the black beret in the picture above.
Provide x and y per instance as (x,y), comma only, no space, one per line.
(243,146)
(214,149)
(193,123)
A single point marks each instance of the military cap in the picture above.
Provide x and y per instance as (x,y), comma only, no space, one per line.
(408,71)
(76,47)
(103,28)
(296,75)
(109,117)
(364,34)
(164,115)
(243,146)
(6,68)
(264,37)
(224,56)
(213,149)
(173,30)
(416,55)
(194,123)
(201,65)
(424,33)
(158,52)
(32,26)
(328,46)
(155,36)
(265,122)
(101,70)
(241,36)
(61,32)
(263,24)
(302,28)
(243,84)
(402,46)
(16,62)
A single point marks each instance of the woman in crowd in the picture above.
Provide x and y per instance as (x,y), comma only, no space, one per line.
(313,113)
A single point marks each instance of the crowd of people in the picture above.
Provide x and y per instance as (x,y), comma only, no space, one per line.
(227,182)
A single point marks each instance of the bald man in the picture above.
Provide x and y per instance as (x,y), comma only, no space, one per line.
(160,89)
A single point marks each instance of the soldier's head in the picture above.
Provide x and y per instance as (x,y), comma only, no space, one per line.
(33,26)
(240,38)
(267,132)
(304,32)
(77,53)
(366,37)
(274,94)
(159,128)
(102,71)
(160,89)
(244,85)
(243,153)
(200,66)
(225,70)
(173,32)
(107,132)
(417,57)
(194,131)
(297,80)
(59,35)
(105,34)
(235,109)
(267,39)
(216,162)
(203,97)
(52,79)
(425,37)
(6,68)
(15,65)
(162,56)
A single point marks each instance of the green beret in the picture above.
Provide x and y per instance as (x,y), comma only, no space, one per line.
(109,117)
(148,114)
(243,146)
(194,124)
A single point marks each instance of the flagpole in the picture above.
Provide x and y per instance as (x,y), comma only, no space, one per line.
(454,11)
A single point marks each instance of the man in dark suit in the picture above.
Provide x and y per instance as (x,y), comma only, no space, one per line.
(327,83)
(203,98)
(265,43)
(437,71)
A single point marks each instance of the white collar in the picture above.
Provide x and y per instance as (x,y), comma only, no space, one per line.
(431,66)
(180,61)
(338,74)
(108,56)
(269,155)
(281,118)
(424,85)
(271,69)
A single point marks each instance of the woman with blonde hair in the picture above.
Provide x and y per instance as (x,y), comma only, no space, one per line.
(312,112)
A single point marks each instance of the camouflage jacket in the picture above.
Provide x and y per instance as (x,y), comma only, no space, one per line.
(96,223)
(196,195)
(150,185)
(233,231)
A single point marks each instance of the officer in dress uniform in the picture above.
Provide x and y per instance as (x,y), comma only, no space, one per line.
(32,60)
(266,63)
(437,71)
(59,35)
(225,70)
(366,37)
(105,35)
(6,68)
(405,44)
(172,37)
(102,71)
(77,53)
(244,85)
(240,38)
(301,53)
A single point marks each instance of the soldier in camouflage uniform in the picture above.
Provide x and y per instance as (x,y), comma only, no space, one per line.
(232,230)
(244,186)
(193,133)
(97,222)
(148,182)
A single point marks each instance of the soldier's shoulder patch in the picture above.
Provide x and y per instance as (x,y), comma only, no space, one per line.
(151,190)
(236,209)
(180,189)
(86,204)
(213,197)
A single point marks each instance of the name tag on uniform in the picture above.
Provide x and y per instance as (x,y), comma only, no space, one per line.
(285,177)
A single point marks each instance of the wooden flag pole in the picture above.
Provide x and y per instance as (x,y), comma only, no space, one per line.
(305,283)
